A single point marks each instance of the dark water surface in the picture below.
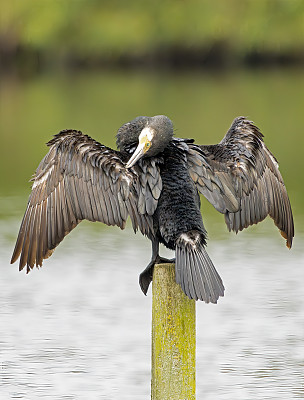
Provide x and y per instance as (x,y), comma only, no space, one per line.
(80,327)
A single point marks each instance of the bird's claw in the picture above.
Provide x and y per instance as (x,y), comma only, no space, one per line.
(145,278)
(162,260)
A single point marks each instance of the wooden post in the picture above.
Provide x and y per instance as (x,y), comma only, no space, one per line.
(173,338)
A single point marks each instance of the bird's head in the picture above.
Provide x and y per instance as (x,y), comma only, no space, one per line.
(150,134)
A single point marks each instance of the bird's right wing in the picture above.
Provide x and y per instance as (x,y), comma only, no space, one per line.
(80,179)
(241,179)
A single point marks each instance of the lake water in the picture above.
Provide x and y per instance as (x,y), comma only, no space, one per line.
(80,327)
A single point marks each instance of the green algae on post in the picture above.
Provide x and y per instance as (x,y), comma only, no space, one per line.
(173,338)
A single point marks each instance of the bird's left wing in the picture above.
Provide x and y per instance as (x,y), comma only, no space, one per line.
(80,179)
(240,178)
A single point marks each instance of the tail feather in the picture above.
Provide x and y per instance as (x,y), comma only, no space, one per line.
(217,287)
(188,278)
(196,273)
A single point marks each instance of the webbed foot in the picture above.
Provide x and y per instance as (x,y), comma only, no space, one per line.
(162,260)
(145,278)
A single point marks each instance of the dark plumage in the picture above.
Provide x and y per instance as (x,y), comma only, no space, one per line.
(155,178)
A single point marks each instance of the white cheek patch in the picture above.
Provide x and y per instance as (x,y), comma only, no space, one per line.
(148,133)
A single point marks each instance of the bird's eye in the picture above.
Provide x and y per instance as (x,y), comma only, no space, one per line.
(148,144)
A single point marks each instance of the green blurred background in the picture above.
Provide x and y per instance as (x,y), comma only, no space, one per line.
(43,34)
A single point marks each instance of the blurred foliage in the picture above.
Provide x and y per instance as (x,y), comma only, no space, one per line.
(112,29)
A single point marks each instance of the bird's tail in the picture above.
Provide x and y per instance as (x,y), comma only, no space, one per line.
(195,271)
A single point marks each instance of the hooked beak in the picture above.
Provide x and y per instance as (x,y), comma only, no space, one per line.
(143,146)
(138,153)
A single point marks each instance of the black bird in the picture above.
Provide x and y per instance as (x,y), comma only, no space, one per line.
(155,179)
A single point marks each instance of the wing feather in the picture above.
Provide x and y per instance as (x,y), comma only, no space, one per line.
(241,179)
(78,179)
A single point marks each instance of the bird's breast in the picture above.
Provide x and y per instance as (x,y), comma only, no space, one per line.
(178,206)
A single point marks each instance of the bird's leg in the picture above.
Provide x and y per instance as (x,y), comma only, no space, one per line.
(145,278)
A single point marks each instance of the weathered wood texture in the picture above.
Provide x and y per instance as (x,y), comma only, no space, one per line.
(173,338)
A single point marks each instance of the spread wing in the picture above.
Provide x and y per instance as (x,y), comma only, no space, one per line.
(240,178)
(80,179)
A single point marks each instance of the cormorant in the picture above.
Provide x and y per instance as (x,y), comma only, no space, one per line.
(155,179)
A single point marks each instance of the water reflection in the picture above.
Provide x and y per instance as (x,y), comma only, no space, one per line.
(80,327)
